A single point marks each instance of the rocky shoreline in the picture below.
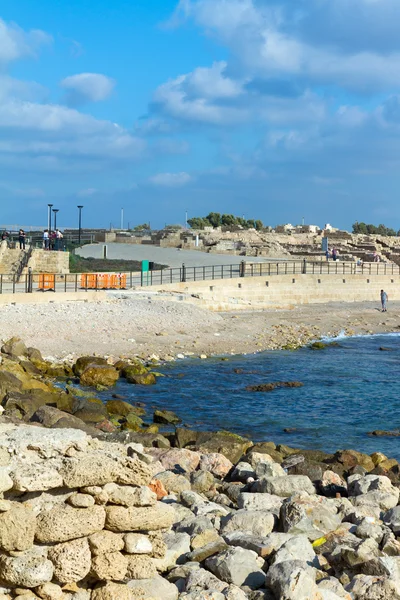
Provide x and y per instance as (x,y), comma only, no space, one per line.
(95,505)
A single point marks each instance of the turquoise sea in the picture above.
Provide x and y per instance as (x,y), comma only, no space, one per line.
(349,389)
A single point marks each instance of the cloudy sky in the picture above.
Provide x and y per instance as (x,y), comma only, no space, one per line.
(275,109)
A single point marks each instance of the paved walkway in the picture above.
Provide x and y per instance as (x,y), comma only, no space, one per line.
(170,257)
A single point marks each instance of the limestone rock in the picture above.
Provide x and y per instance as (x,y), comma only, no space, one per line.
(202,481)
(150,518)
(156,587)
(105,542)
(296,548)
(254,522)
(17,528)
(63,523)
(28,569)
(367,587)
(284,486)
(36,478)
(137,543)
(200,579)
(109,566)
(140,567)
(267,502)
(177,546)
(307,514)
(118,591)
(269,469)
(130,496)
(50,591)
(14,347)
(237,566)
(71,560)
(6,483)
(94,469)
(81,500)
(215,463)
(173,483)
(293,580)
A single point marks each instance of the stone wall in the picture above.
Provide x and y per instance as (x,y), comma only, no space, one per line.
(282,291)
(78,520)
(44,261)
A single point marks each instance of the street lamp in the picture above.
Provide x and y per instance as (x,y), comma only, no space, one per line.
(49,227)
(55,211)
(80,223)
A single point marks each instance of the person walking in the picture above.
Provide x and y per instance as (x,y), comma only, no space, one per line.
(384,300)
(21,239)
(46,239)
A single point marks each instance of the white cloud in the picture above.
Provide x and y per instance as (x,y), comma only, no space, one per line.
(192,96)
(87,87)
(270,38)
(16,43)
(171,180)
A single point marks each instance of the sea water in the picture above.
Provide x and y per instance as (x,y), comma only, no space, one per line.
(350,389)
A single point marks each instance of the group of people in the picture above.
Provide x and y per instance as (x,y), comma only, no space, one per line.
(52,240)
(332,254)
(21,238)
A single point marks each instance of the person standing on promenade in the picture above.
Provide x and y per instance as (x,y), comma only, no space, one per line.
(46,239)
(334,254)
(384,299)
(21,239)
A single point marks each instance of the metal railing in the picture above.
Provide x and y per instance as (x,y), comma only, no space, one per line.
(75,282)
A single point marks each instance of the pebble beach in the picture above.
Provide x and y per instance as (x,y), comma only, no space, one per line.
(148,325)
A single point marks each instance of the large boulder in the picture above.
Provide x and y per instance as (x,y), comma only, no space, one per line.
(27,569)
(284,486)
(232,446)
(253,522)
(63,523)
(166,417)
(152,518)
(17,528)
(132,370)
(144,379)
(84,361)
(99,375)
(14,347)
(368,587)
(117,591)
(293,580)
(71,560)
(304,514)
(373,490)
(237,566)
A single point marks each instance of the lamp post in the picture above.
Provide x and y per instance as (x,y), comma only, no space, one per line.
(49,225)
(55,211)
(80,223)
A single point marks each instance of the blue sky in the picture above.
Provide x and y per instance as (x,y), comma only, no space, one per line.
(269,108)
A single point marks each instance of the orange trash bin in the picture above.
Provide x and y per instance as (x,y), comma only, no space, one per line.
(47,281)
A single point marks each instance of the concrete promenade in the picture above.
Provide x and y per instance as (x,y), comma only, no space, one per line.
(282,291)
(171,257)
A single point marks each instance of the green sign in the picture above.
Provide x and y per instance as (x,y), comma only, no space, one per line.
(145,273)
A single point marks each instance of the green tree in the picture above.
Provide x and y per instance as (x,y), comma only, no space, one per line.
(259,225)
(214,218)
(142,227)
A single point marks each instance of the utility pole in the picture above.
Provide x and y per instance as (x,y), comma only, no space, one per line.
(122,218)
(49,225)
(186,219)
(55,211)
(80,224)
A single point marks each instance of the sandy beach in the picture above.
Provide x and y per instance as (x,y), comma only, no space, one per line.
(143,326)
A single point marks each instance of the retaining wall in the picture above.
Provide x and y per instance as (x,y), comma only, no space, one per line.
(283,291)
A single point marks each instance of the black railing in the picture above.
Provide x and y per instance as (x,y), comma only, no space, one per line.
(74,282)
